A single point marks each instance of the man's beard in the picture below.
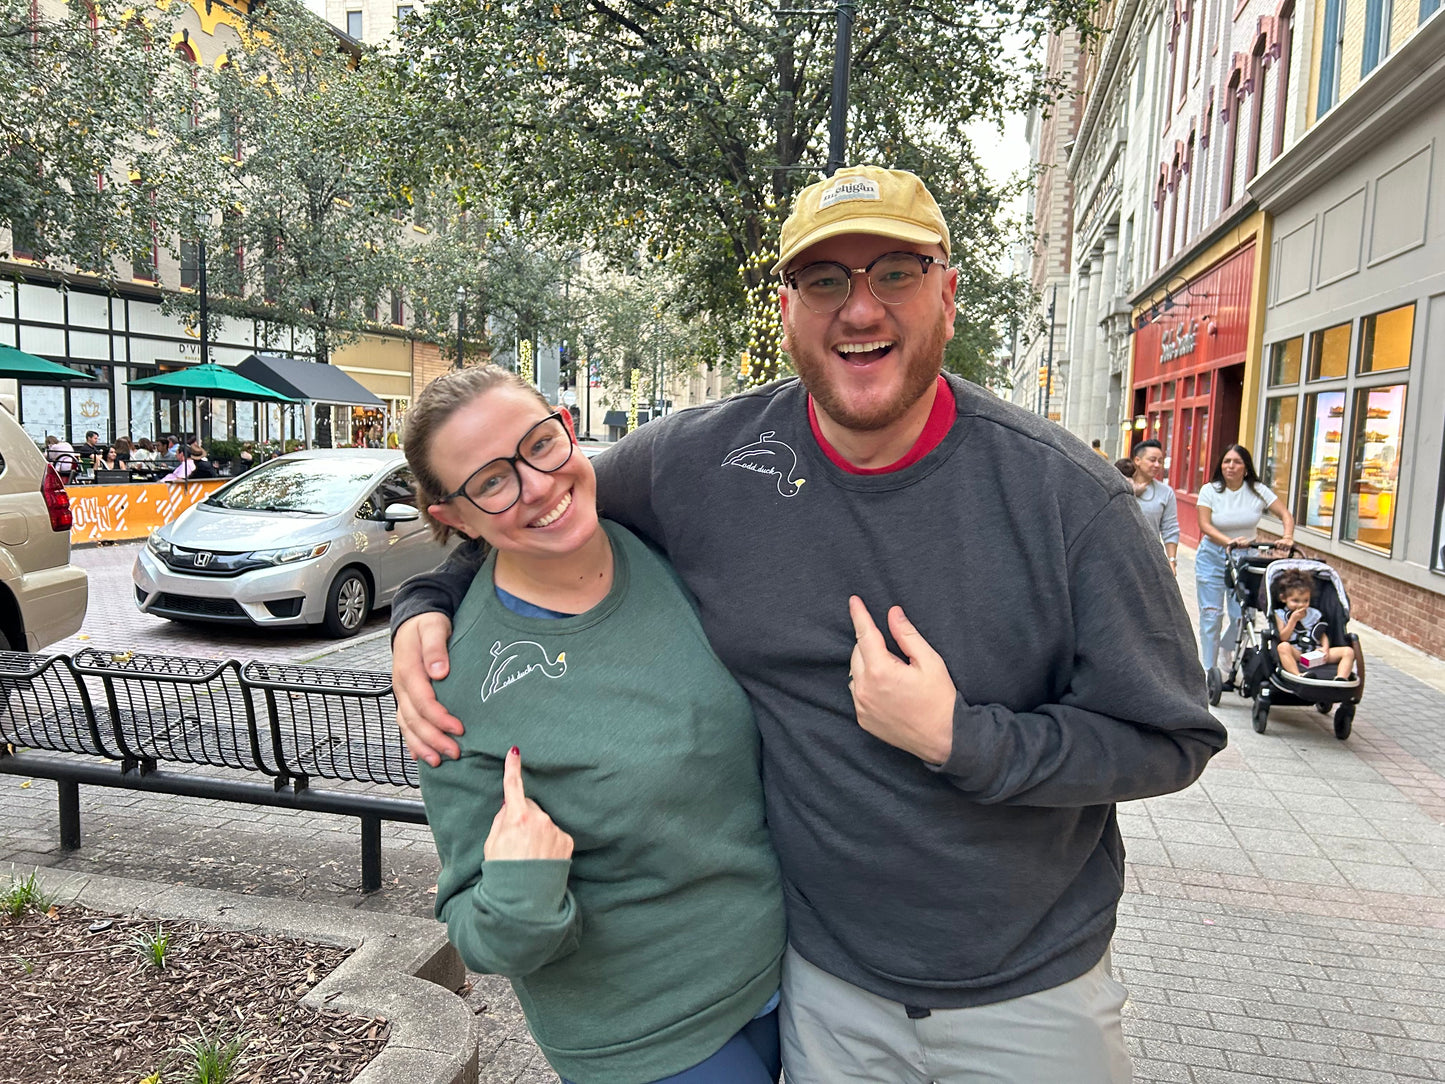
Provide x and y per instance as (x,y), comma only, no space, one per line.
(919,374)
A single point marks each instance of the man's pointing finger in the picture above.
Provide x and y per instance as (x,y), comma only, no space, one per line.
(864,629)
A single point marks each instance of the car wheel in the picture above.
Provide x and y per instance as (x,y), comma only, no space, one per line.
(348,604)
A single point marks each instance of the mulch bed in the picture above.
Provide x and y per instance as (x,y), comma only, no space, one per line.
(79,1002)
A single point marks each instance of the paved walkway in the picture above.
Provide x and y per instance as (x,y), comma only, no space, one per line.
(1284,920)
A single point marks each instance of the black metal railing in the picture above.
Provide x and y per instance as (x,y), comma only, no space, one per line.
(331,724)
(130,716)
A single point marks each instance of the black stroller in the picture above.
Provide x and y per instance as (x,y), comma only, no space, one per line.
(1252,572)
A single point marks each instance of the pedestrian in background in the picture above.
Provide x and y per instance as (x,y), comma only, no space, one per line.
(1156,499)
(62,457)
(1231,505)
(945,820)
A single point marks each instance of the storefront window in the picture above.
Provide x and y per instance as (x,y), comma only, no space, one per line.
(1284,361)
(1186,444)
(1437,549)
(1330,352)
(1201,440)
(1324,422)
(1385,340)
(1379,421)
(1279,434)
(142,414)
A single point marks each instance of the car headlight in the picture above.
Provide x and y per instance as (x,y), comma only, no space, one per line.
(291,554)
(159,546)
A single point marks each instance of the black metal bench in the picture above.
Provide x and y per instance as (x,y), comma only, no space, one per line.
(111,719)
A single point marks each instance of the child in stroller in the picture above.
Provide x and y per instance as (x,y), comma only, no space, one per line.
(1303,637)
(1259,671)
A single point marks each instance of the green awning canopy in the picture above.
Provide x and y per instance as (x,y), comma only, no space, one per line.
(211,380)
(18,365)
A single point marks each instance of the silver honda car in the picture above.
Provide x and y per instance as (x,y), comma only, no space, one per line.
(317,537)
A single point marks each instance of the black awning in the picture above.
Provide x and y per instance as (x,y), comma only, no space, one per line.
(306,380)
(618,418)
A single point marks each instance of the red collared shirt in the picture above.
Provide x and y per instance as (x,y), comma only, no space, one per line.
(940,419)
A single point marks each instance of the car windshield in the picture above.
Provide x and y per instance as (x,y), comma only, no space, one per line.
(318,487)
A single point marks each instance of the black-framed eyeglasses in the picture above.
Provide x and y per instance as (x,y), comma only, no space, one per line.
(894,277)
(497,484)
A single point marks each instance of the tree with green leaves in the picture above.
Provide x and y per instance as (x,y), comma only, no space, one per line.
(88,90)
(680,132)
(305,214)
(630,332)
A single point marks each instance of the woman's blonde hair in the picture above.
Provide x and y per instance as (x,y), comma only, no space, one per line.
(438,401)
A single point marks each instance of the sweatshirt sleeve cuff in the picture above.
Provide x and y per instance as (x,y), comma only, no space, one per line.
(529,889)
(964,758)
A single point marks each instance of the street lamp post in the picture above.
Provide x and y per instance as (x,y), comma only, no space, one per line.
(205,313)
(461,325)
(1049,371)
(842,68)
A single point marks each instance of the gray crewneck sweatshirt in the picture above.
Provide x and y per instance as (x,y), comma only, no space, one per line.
(1021,557)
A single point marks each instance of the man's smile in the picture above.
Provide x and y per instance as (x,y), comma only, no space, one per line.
(861,353)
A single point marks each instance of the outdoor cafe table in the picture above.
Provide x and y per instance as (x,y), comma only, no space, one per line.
(120,513)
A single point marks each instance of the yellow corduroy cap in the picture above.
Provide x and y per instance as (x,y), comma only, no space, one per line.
(863,199)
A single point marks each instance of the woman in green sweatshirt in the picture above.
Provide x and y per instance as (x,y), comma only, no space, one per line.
(626,885)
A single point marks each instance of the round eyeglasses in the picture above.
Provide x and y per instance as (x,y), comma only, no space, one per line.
(497,484)
(894,277)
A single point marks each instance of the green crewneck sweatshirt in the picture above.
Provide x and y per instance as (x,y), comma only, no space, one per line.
(664,933)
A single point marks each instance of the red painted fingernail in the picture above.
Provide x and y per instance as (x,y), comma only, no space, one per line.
(516,751)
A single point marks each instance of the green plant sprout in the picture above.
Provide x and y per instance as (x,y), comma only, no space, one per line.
(214,1057)
(25,895)
(152,946)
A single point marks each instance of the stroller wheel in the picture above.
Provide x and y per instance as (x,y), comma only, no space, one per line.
(1214,683)
(1324,709)
(1344,720)
(1260,716)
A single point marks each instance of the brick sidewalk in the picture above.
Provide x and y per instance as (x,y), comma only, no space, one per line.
(1284,919)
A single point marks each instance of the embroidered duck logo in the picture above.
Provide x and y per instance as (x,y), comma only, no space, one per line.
(769,456)
(512,663)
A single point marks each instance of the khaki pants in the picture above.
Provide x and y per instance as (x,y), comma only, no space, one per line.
(833,1032)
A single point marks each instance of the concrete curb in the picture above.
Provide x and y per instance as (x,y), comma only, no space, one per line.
(403,969)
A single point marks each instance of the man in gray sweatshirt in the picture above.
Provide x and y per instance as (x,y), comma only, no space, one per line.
(938,604)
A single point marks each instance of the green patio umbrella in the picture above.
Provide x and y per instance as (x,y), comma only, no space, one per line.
(211,380)
(18,365)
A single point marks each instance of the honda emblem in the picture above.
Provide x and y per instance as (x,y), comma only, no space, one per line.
(202,559)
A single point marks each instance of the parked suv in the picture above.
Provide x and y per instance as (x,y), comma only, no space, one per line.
(42,595)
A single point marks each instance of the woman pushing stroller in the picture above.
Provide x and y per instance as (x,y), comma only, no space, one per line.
(1303,636)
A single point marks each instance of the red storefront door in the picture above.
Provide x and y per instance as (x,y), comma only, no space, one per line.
(1189,375)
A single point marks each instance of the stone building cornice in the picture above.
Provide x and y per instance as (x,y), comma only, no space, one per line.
(1114,48)
(1402,89)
